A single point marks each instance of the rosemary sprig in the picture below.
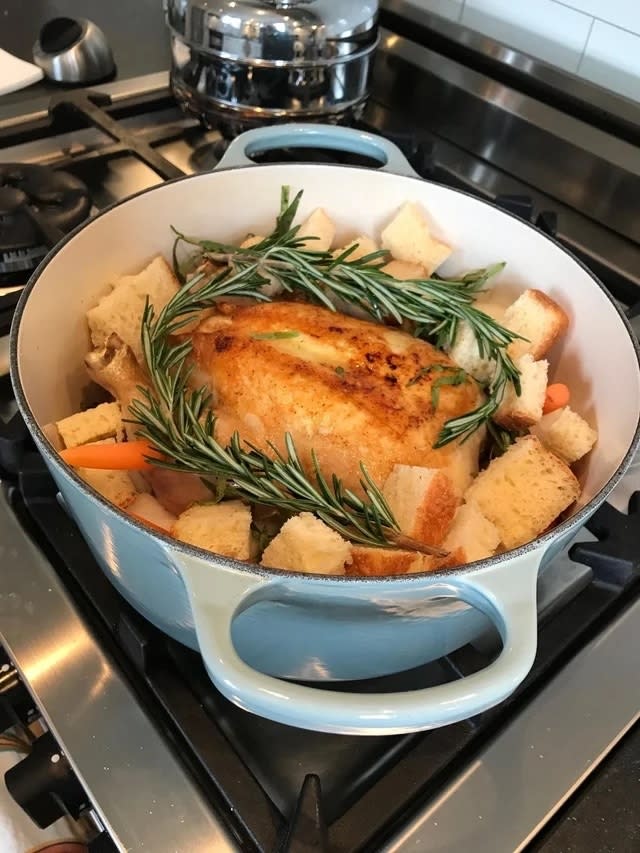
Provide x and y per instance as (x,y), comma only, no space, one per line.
(185,432)
(435,306)
(179,421)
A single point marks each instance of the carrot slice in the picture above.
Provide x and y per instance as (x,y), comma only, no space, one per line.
(126,455)
(556,397)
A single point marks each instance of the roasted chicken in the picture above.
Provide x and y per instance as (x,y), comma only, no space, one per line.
(348,389)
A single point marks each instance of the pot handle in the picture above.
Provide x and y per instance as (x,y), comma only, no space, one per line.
(505,592)
(347,139)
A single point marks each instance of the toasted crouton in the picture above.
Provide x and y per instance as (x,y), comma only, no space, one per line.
(465,351)
(363,246)
(320,227)
(472,533)
(306,544)
(224,528)
(378,562)
(523,491)
(408,238)
(404,270)
(121,310)
(462,466)
(116,486)
(103,421)
(565,433)
(423,501)
(148,509)
(519,412)
(251,240)
(538,319)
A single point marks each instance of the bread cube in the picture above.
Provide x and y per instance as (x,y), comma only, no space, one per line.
(306,544)
(318,225)
(224,528)
(146,508)
(363,246)
(408,238)
(565,433)
(472,534)
(121,310)
(404,270)
(524,491)
(519,412)
(463,465)
(103,421)
(423,501)
(378,562)
(465,351)
(538,319)
(114,485)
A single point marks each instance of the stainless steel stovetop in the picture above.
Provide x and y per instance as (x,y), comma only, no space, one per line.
(154,774)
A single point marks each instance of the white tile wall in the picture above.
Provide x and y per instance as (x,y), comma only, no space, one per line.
(543,28)
(451,9)
(612,59)
(597,39)
(624,13)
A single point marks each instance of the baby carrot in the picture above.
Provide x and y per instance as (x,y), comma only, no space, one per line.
(126,455)
(556,397)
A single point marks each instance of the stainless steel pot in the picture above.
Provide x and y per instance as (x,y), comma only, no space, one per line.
(242,63)
(256,628)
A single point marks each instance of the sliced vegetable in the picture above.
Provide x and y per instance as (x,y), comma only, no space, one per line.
(126,455)
(556,397)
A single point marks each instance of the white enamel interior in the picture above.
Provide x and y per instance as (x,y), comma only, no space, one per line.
(596,358)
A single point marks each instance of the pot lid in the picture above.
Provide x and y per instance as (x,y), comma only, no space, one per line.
(274,31)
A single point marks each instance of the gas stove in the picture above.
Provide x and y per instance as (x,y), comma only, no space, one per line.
(132,737)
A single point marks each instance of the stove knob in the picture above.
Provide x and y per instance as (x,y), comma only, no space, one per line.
(44,784)
(16,704)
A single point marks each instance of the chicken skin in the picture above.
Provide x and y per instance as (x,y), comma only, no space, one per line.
(351,390)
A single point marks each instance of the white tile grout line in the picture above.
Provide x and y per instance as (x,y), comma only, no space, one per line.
(616,26)
(584,49)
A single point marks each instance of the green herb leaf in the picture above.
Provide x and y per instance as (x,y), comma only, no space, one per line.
(499,439)
(456,377)
(452,375)
(476,279)
(275,336)
(219,487)
(340,371)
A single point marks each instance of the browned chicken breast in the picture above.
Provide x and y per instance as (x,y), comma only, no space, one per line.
(349,389)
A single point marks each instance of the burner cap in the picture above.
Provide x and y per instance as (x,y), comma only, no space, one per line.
(57,199)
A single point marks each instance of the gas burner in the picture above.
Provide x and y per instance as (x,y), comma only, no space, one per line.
(38,206)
